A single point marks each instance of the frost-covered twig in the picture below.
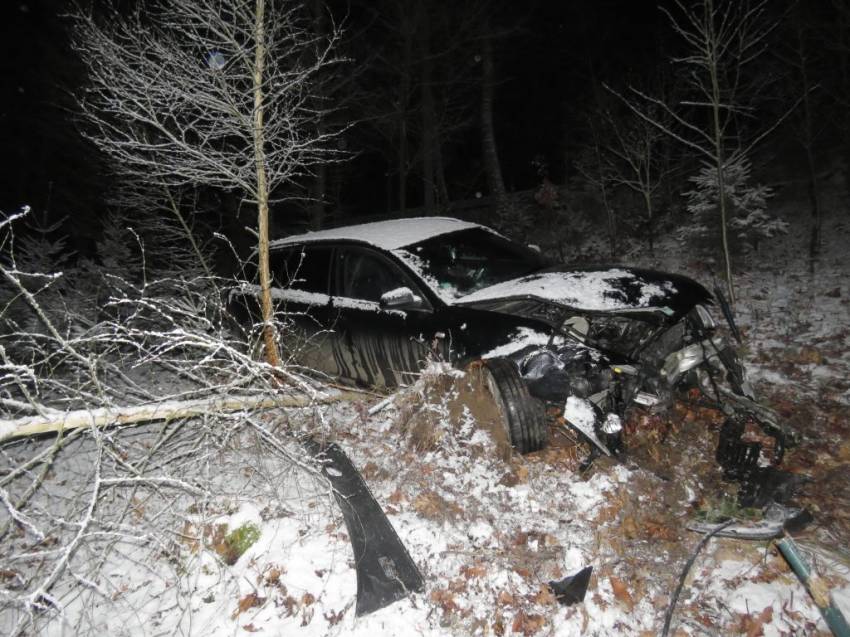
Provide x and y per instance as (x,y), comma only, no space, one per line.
(85,497)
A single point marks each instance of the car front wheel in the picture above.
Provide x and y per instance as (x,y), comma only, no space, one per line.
(521,414)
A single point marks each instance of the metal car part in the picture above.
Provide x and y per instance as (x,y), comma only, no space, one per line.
(680,362)
(385,570)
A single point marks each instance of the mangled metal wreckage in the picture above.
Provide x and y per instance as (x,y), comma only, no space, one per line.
(653,339)
(373,303)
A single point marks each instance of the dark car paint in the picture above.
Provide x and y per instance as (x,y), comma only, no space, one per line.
(688,294)
(386,348)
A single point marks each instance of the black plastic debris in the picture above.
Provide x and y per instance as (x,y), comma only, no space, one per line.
(385,570)
(764,485)
(736,457)
(739,459)
(572,589)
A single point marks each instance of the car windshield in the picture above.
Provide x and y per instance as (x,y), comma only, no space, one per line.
(462,262)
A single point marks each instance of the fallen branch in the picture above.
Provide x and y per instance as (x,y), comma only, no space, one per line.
(168,410)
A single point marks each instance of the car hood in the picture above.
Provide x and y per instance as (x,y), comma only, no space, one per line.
(610,289)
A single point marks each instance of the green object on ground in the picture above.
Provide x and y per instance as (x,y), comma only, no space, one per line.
(240,540)
(816,587)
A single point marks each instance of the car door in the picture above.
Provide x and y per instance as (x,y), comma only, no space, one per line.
(300,289)
(379,347)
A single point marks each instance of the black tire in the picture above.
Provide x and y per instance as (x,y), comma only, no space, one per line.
(521,413)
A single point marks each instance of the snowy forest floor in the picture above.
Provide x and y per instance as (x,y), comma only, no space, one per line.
(488,530)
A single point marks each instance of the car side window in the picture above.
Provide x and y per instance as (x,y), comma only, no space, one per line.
(365,276)
(305,268)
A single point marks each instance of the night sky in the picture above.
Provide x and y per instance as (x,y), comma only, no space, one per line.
(550,58)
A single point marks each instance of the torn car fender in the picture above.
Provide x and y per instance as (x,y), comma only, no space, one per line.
(385,570)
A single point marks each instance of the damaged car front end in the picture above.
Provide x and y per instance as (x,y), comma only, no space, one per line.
(645,338)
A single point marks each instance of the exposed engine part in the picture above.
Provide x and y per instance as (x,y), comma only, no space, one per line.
(680,362)
(653,361)
(646,399)
(572,369)
(612,425)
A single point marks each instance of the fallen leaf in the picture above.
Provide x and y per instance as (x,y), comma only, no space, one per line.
(753,625)
(527,624)
(250,600)
(498,628)
(334,618)
(621,592)
(630,529)
(444,599)
(473,572)
(506,599)
(544,596)
(521,472)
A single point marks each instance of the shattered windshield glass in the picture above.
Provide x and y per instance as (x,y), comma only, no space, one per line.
(462,262)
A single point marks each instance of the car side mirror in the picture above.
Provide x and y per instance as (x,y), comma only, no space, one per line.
(401,299)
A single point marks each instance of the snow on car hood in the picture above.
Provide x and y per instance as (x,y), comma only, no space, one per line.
(609,289)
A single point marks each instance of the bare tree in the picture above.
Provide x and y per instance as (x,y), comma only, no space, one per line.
(157,350)
(419,92)
(722,39)
(215,94)
(489,148)
(595,166)
(636,149)
(805,68)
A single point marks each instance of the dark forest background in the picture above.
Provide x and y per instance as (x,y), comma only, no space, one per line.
(412,105)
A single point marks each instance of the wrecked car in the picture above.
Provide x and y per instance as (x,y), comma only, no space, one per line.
(373,303)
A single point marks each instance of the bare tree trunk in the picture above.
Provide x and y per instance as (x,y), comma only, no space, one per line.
(650,222)
(262,194)
(66,421)
(490,154)
(646,189)
(320,178)
(320,193)
(719,155)
(428,118)
(808,143)
(439,168)
(403,104)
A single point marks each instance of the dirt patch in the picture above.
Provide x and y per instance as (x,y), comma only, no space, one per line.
(450,404)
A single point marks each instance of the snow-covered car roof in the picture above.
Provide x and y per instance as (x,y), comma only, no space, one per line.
(388,235)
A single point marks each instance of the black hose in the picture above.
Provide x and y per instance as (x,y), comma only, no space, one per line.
(668,617)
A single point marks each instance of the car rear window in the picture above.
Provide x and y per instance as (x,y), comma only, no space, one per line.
(304,268)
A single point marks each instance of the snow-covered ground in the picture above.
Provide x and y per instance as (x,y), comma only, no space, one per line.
(489,532)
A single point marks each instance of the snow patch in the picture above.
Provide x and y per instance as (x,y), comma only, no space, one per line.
(584,290)
(388,235)
(522,337)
